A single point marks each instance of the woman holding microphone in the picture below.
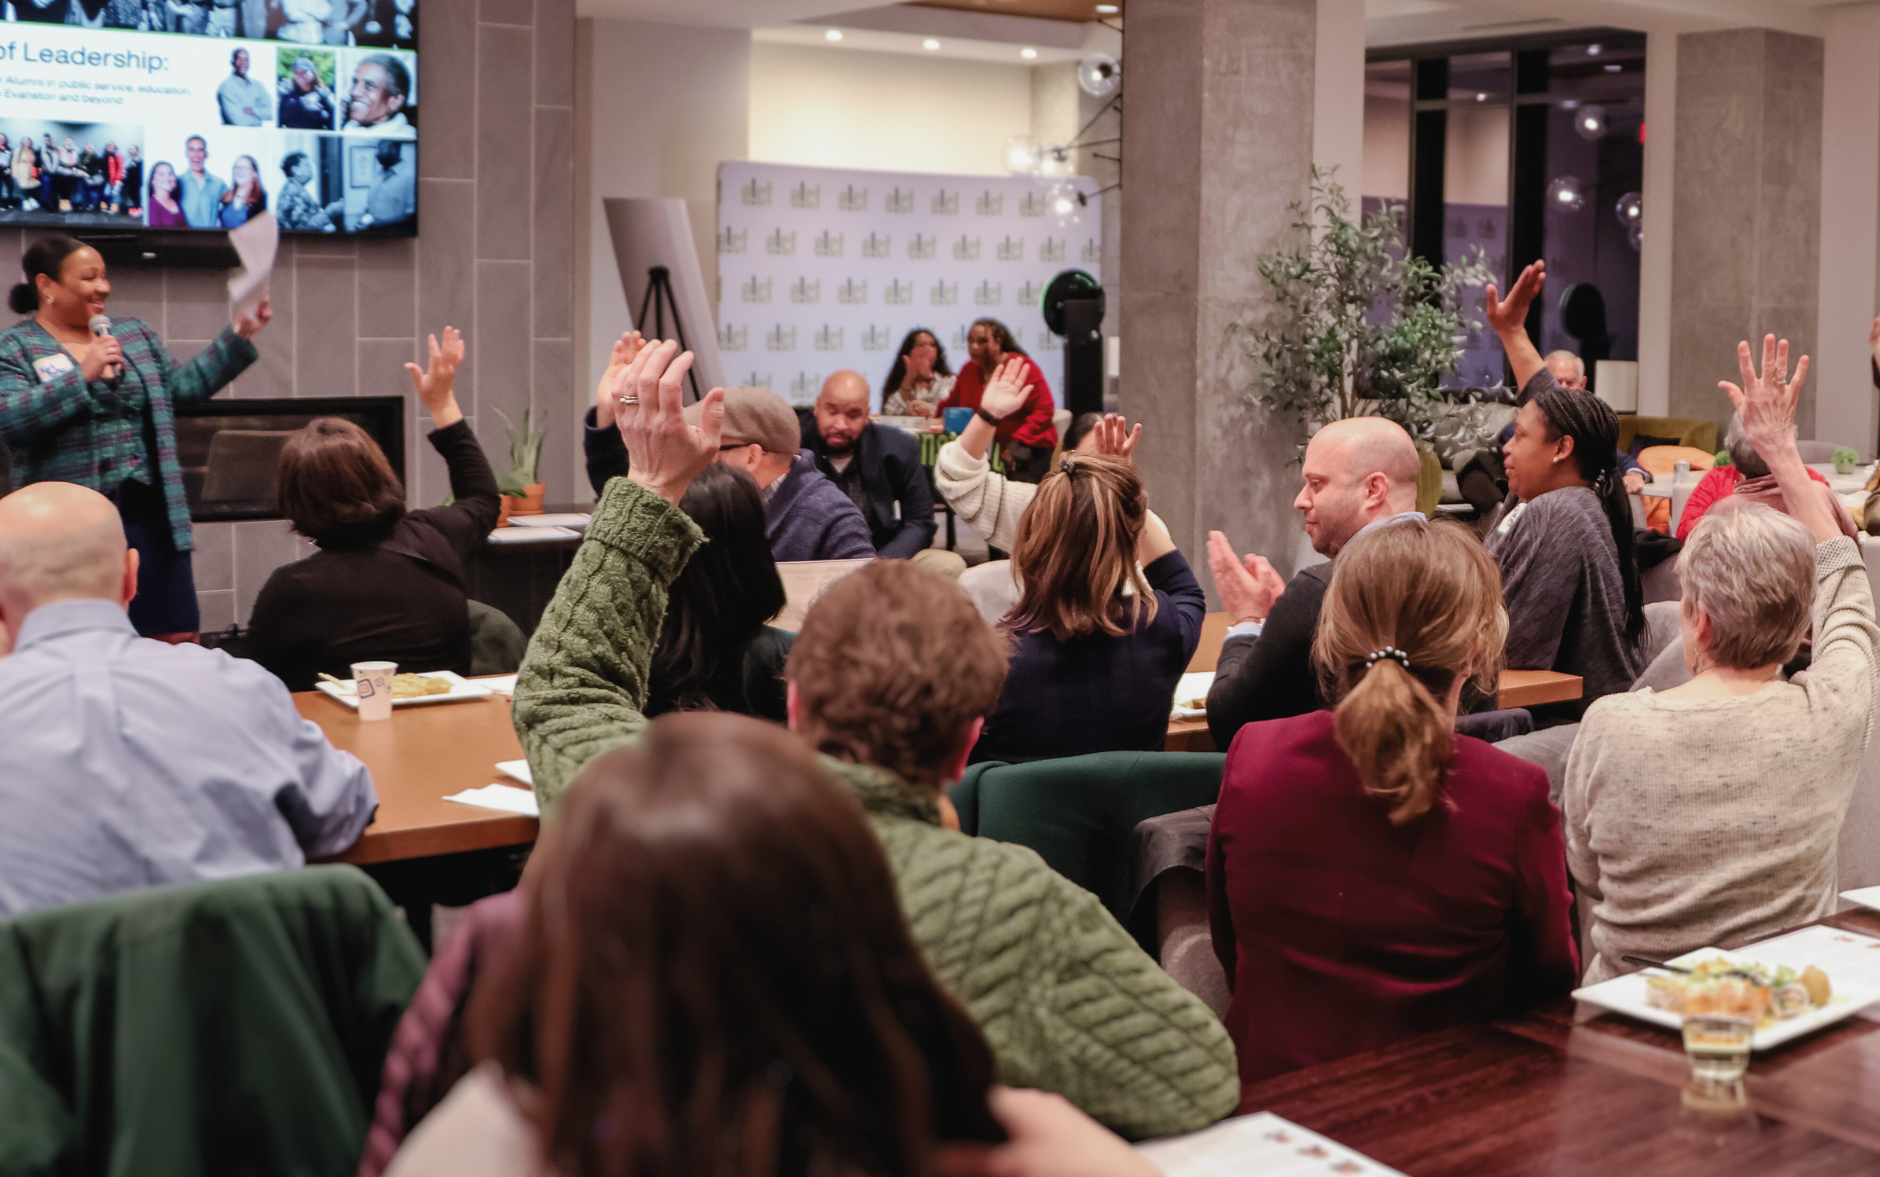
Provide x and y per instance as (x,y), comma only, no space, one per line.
(95,406)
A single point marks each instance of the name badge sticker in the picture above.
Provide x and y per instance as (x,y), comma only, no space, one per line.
(52,367)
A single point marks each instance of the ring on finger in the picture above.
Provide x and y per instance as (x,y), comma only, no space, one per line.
(629,400)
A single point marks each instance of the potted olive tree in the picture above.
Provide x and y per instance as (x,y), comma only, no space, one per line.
(1358,328)
(522,494)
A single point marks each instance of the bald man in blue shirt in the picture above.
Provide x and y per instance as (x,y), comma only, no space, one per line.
(128,762)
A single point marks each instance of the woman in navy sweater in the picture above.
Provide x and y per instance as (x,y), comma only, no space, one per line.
(1107,618)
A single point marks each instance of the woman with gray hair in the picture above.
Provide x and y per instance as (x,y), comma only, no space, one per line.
(1709,814)
(1747,475)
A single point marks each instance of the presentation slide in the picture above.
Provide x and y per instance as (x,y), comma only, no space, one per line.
(169,114)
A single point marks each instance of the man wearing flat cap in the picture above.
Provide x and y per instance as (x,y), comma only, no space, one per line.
(807,517)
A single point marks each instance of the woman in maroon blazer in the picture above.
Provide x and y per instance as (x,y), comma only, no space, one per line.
(1371,874)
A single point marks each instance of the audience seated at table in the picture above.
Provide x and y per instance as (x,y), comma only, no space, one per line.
(1107,619)
(920,378)
(888,677)
(1748,475)
(1358,473)
(129,762)
(715,651)
(808,517)
(1569,571)
(1371,874)
(878,468)
(387,584)
(1709,814)
(1026,435)
(744,921)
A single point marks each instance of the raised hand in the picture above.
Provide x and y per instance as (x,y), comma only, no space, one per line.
(625,348)
(247,325)
(1115,437)
(665,452)
(1510,314)
(1766,403)
(1004,393)
(1248,586)
(436,385)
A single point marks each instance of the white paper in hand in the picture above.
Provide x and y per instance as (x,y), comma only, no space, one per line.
(255,243)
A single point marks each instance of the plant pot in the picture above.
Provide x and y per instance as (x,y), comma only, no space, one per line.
(1845,467)
(526,504)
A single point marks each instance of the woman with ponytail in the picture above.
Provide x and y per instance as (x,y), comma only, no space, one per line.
(1371,874)
(1569,571)
(89,399)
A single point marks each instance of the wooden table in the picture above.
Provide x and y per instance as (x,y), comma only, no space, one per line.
(1567,1090)
(417,757)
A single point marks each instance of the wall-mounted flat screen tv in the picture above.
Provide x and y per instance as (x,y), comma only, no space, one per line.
(195,115)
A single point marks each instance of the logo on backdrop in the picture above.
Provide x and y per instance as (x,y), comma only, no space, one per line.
(852,293)
(1028,294)
(922,247)
(1049,342)
(757,380)
(990,204)
(899,200)
(780,244)
(1052,250)
(946,204)
(804,385)
(853,200)
(829,244)
(733,338)
(755,193)
(898,293)
(829,338)
(733,240)
(756,289)
(878,245)
(780,338)
(878,338)
(1032,205)
(959,339)
(804,290)
(1092,252)
(946,294)
(966,249)
(987,294)
(806,195)
(1012,249)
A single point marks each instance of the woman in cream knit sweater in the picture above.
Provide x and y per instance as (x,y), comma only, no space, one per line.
(1708,815)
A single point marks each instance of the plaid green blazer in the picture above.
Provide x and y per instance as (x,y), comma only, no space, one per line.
(64,429)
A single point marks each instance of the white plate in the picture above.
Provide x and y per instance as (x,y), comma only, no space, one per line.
(1853,985)
(461,689)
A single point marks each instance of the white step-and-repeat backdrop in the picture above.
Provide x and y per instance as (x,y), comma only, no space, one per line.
(821,269)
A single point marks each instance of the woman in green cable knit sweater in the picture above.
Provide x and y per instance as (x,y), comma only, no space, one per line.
(1067,999)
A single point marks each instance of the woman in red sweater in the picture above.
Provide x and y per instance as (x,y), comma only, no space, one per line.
(1027,438)
(1372,875)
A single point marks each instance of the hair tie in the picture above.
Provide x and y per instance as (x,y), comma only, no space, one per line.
(1067,466)
(1392,652)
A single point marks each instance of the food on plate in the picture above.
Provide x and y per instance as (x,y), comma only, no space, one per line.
(417,686)
(1740,989)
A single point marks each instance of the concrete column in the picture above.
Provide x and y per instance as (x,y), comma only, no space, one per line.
(1218,140)
(1746,247)
(1850,227)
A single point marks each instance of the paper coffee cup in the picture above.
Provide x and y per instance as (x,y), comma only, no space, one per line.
(373,682)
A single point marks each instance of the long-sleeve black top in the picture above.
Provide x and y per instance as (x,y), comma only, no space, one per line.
(1270,676)
(398,597)
(1099,693)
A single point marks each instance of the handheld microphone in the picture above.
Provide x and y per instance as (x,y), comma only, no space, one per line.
(101,325)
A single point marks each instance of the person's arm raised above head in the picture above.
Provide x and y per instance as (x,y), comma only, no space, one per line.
(476,500)
(1006,393)
(625,348)
(584,681)
(1509,319)
(1766,403)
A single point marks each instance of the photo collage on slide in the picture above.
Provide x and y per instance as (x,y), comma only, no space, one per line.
(169,114)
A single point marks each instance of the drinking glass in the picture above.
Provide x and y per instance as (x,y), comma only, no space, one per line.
(1717,1046)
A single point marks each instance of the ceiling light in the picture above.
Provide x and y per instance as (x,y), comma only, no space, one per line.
(1108,9)
(1592,50)
(1615,68)
(833,35)
(1028,53)
(930,43)
(1099,75)
(1481,98)
(1590,122)
(1630,209)
(1566,195)
(1021,155)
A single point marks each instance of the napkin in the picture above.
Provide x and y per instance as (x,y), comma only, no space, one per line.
(507,798)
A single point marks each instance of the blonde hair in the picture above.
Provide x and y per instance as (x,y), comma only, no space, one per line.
(1076,551)
(1411,606)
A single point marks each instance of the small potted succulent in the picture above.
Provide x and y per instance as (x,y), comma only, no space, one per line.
(1846,461)
(522,494)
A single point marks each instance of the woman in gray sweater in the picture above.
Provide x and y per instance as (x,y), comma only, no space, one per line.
(1709,814)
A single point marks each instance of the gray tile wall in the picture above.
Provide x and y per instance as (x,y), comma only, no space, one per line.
(493,258)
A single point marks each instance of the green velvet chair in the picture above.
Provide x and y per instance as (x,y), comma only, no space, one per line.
(1080,813)
(227,1027)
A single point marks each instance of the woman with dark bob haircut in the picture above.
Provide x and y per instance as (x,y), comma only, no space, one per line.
(713,976)
(387,583)
(715,653)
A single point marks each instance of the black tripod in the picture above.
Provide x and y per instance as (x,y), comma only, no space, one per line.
(659,298)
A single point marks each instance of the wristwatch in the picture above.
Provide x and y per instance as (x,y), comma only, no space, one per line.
(988,418)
